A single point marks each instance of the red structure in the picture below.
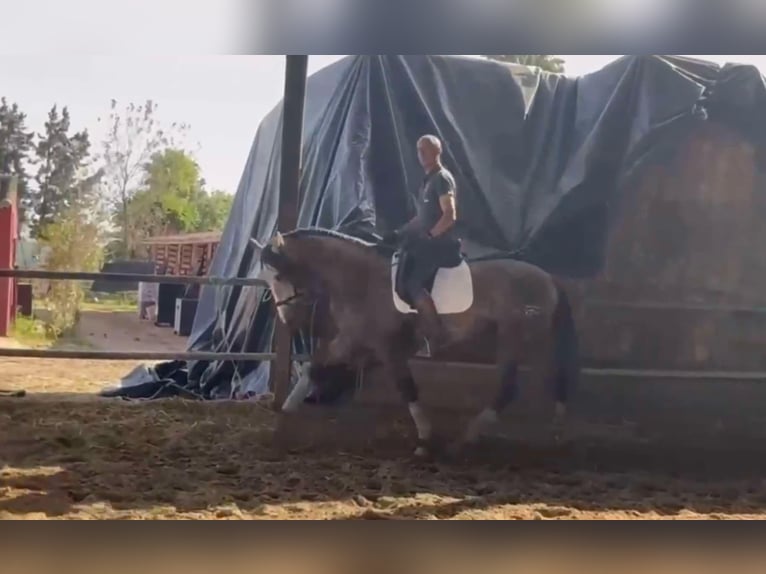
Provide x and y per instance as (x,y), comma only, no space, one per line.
(8,238)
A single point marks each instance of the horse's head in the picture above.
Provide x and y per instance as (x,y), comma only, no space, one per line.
(306,266)
(293,288)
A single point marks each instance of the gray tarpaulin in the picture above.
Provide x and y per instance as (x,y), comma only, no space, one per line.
(538,160)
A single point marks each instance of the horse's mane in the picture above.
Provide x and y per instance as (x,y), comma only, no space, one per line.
(322,232)
(387,251)
(376,246)
(499,256)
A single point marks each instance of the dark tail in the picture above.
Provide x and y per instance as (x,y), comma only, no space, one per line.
(566,348)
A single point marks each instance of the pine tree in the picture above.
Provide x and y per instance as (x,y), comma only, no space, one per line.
(15,147)
(61,182)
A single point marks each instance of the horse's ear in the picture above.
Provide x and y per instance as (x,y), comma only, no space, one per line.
(278,242)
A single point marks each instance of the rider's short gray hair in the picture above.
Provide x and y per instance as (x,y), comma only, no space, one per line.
(433,140)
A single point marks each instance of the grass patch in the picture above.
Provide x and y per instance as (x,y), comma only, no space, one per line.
(31,332)
(119,302)
(108,306)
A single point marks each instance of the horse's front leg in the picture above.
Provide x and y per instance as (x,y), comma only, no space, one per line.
(337,351)
(299,392)
(398,370)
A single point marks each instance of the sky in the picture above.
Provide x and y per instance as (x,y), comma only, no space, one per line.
(222,98)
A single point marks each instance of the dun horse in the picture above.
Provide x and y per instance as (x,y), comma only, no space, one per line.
(515,304)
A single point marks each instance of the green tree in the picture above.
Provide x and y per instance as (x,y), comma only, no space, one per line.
(134,136)
(174,200)
(214,208)
(148,219)
(62,181)
(72,241)
(173,179)
(15,148)
(167,202)
(547,63)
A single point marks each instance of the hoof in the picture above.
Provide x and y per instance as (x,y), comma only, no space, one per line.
(424,448)
(469,439)
(421,452)
(562,439)
(480,427)
(559,430)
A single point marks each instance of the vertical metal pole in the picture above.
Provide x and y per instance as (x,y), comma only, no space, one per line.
(289,199)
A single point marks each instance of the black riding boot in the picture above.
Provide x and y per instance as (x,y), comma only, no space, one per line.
(434,330)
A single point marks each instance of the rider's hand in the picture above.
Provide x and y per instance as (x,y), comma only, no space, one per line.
(392,237)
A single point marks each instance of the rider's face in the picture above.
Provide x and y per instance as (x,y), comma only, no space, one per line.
(426,154)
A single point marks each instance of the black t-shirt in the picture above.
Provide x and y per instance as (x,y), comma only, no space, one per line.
(435,185)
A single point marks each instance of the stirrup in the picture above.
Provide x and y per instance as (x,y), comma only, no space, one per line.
(425,350)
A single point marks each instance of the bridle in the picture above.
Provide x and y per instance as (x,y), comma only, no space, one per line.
(299,297)
(292,299)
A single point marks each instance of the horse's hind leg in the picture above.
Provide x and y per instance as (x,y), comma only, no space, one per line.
(560,382)
(490,416)
(508,390)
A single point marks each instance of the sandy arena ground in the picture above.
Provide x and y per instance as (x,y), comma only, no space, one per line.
(65,453)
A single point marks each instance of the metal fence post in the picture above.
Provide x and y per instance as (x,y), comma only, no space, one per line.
(289,200)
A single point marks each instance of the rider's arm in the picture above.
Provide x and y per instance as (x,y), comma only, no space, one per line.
(411,226)
(446,194)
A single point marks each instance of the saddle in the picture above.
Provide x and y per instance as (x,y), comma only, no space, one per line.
(451,288)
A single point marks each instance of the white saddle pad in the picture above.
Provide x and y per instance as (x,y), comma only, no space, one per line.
(452,291)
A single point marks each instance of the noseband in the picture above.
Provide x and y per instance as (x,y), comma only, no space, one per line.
(291,299)
(300,297)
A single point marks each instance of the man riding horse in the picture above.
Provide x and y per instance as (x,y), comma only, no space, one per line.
(328,279)
(430,239)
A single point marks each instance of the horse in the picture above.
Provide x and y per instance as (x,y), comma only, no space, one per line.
(523,308)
